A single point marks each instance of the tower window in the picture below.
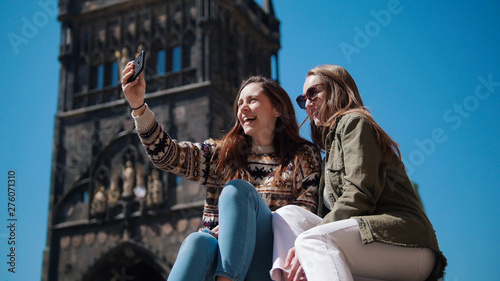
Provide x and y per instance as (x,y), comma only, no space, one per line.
(176,58)
(97,73)
(100,76)
(85,196)
(114,73)
(178,181)
(111,74)
(160,62)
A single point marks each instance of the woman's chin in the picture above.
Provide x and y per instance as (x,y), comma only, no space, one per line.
(317,122)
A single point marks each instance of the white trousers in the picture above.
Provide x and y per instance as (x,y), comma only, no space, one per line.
(334,251)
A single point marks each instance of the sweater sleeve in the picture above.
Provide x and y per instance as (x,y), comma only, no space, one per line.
(186,159)
(364,178)
(307,180)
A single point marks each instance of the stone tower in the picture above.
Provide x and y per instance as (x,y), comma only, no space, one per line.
(112,215)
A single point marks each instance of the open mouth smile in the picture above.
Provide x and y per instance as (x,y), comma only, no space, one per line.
(248,120)
(314,114)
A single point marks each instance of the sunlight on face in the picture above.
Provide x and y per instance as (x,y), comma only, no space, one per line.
(314,90)
(256,114)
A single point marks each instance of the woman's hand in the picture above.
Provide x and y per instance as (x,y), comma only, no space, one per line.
(215,232)
(293,264)
(135,90)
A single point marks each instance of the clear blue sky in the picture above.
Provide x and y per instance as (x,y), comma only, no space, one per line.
(428,70)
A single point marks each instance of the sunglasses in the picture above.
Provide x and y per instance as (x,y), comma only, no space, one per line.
(311,95)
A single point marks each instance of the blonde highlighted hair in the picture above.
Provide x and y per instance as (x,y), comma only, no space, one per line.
(342,97)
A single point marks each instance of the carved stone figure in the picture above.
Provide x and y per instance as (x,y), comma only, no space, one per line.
(140,187)
(140,48)
(128,176)
(155,189)
(114,191)
(99,202)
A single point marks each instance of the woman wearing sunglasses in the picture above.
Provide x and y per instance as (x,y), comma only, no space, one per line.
(371,224)
(259,166)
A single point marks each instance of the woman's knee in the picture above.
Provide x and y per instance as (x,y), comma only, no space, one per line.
(307,238)
(313,236)
(288,210)
(196,258)
(296,217)
(200,242)
(236,188)
(339,235)
(239,184)
(288,215)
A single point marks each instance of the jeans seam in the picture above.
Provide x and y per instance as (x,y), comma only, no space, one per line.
(249,207)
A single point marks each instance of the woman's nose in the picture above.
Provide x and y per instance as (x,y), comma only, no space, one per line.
(309,103)
(244,107)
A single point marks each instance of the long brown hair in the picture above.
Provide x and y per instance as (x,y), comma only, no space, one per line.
(342,97)
(232,149)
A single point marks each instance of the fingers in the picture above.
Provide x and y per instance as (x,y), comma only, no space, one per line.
(300,275)
(135,90)
(289,257)
(127,72)
(128,66)
(297,273)
(292,263)
(215,230)
(293,275)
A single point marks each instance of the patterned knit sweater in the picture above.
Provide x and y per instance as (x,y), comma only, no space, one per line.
(192,161)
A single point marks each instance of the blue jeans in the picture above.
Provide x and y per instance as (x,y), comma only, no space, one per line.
(244,249)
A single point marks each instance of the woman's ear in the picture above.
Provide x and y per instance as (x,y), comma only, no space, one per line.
(276,113)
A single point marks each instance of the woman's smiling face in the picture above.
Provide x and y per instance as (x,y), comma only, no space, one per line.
(257,115)
(315,85)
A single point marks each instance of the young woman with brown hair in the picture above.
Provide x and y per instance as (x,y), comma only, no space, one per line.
(260,165)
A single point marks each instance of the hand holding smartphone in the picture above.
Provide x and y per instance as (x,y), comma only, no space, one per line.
(139,65)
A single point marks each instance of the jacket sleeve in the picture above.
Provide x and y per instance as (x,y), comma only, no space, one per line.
(307,184)
(186,159)
(364,176)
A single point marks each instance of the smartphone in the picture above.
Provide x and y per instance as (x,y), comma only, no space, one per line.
(139,65)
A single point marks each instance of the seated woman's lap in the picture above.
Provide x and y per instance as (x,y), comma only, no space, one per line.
(336,249)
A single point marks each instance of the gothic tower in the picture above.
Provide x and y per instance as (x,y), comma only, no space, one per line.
(112,215)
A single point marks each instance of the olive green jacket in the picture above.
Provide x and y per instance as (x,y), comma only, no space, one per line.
(361,185)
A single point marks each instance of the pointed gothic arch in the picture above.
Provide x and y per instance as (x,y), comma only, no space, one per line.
(128,259)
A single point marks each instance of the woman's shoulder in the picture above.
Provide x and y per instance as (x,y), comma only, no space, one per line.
(354,120)
(308,155)
(308,148)
(352,117)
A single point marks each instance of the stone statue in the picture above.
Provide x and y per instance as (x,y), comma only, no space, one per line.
(140,187)
(114,191)
(140,48)
(99,202)
(128,176)
(155,189)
